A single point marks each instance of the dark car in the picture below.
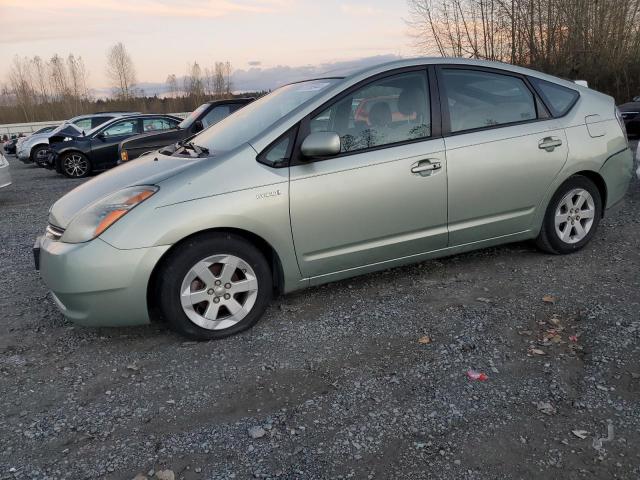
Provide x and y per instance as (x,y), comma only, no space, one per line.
(202,117)
(78,156)
(631,115)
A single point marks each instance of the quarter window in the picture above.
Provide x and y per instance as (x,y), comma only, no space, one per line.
(483,99)
(390,110)
(559,99)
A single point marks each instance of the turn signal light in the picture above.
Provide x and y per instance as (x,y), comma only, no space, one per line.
(124,156)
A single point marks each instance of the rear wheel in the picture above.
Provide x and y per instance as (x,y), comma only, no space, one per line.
(572,217)
(214,286)
(75,165)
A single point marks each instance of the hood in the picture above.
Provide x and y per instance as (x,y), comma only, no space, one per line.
(147,170)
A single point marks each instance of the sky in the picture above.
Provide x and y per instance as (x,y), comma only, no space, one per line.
(259,37)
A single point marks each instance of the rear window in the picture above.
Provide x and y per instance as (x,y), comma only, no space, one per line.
(558,98)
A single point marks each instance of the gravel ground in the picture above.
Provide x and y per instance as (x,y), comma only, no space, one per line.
(363,378)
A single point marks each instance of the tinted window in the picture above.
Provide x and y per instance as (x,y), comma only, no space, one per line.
(84,124)
(126,127)
(559,99)
(390,110)
(215,115)
(97,121)
(156,124)
(483,99)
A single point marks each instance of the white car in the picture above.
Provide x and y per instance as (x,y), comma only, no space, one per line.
(5,176)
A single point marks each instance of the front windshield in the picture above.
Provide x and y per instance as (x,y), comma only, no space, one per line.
(253,119)
(186,123)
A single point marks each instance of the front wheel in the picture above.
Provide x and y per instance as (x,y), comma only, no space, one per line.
(75,165)
(39,155)
(213,286)
(572,217)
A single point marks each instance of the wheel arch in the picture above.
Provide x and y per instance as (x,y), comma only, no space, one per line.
(599,182)
(260,243)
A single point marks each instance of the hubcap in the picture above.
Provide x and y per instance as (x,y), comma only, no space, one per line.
(75,165)
(574,216)
(219,291)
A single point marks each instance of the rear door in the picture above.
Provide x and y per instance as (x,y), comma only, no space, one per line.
(503,152)
(384,196)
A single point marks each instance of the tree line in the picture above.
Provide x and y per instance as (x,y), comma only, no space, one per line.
(56,89)
(593,40)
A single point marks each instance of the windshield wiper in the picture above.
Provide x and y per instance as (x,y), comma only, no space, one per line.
(196,148)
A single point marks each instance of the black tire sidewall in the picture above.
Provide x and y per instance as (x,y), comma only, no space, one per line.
(549,222)
(176,266)
(34,155)
(64,157)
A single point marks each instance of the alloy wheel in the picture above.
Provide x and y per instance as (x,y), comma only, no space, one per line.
(219,291)
(75,165)
(575,216)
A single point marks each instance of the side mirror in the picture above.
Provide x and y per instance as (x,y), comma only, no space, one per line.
(100,136)
(321,144)
(197,126)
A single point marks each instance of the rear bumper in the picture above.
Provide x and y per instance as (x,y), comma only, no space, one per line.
(95,284)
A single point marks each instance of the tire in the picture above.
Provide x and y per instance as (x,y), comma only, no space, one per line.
(186,301)
(36,155)
(75,165)
(579,207)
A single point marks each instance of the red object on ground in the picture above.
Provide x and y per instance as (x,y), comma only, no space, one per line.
(573,338)
(473,375)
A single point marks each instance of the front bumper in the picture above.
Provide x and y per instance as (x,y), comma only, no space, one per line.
(23,155)
(95,284)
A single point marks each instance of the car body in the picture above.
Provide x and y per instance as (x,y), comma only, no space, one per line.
(79,155)
(202,117)
(34,148)
(291,192)
(5,176)
(40,131)
(631,114)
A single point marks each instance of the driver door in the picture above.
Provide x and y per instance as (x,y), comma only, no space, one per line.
(104,145)
(383,198)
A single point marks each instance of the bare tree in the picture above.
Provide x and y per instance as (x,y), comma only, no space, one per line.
(227,72)
(193,84)
(598,41)
(20,82)
(121,71)
(219,83)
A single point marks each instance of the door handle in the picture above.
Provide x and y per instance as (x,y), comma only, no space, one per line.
(549,143)
(425,167)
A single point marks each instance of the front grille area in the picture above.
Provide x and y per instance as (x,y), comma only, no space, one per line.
(53,232)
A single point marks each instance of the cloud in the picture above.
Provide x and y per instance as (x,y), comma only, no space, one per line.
(257,79)
(254,63)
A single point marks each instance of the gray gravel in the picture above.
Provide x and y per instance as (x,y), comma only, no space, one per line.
(334,382)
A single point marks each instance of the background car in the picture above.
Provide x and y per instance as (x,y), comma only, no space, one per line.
(34,148)
(37,132)
(10,145)
(77,156)
(5,176)
(630,112)
(202,117)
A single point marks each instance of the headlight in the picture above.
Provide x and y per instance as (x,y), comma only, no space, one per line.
(67,139)
(96,218)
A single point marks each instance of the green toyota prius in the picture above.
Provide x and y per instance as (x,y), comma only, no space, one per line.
(331,178)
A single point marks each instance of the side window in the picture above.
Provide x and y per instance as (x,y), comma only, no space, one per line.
(390,110)
(484,99)
(84,124)
(126,127)
(97,121)
(215,115)
(559,99)
(279,152)
(156,124)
